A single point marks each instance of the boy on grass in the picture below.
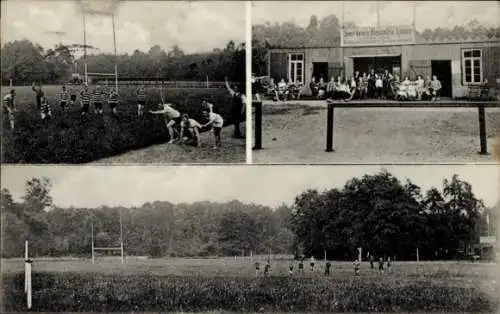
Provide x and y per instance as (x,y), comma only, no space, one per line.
(8,104)
(216,122)
(85,100)
(190,131)
(141,100)
(45,110)
(64,98)
(113,102)
(172,118)
(98,99)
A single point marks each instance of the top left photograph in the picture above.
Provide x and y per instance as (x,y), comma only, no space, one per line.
(123,82)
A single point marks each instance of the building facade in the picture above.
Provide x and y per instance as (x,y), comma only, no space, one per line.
(459,63)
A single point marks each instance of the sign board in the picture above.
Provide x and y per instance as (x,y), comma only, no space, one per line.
(377,36)
(373,52)
(487,240)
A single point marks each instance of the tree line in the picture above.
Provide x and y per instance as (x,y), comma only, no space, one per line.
(325,32)
(24,62)
(377,212)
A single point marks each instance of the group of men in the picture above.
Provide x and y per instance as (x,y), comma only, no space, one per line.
(382,266)
(180,126)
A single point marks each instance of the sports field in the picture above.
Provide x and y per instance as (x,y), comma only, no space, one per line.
(68,138)
(231,285)
(295,132)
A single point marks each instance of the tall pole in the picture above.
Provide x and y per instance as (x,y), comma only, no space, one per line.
(114,48)
(342,40)
(92,237)
(85,49)
(378,13)
(121,236)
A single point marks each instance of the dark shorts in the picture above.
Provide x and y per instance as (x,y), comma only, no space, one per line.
(217,131)
(73,97)
(85,107)
(98,105)
(141,102)
(113,104)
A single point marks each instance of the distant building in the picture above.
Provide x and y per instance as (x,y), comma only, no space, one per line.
(459,63)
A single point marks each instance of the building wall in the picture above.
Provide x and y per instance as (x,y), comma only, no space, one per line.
(415,59)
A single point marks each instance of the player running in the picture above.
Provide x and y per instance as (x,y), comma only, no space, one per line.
(190,129)
(172,117)
(141,100)
(85,100)
(64,98)
(8,104)
(216,122)
(237,108)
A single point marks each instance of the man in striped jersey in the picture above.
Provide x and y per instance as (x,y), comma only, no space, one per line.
(141,100)
(113,101)
(85,100)
(98,99)
(8,104)
(45,110)
(63,98)
(172,118)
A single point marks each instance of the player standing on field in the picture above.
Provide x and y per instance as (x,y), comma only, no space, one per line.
(98,99)
(38,95)
(327,268)
(237,109)
(141,100)
(8,104)
(63,98)
(85,100)
(45,110)
(172,117)
(216,122)
(113,102)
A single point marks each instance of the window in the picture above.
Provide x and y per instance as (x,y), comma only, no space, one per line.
(472,66)
(296,68)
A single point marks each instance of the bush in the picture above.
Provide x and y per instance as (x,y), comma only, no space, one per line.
(70,139)
(70,292)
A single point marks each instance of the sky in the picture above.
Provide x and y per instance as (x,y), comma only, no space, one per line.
(93,186)
(193,26)
(429,14)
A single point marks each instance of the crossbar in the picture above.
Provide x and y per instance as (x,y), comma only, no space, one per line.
(102,74)
(107,248)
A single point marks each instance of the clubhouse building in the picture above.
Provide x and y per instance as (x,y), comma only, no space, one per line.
(461,64)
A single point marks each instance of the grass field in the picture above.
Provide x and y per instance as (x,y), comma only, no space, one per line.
(296,133)
(70,139)
(231,285)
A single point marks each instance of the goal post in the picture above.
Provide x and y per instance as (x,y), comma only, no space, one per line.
(98,249)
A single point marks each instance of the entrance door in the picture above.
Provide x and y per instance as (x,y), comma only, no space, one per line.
(442,69)
(320,70)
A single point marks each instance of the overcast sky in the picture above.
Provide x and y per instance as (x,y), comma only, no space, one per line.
(429,14)
(91,186)
(194,26)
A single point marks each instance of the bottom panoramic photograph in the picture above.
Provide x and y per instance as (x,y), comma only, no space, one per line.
(269,239)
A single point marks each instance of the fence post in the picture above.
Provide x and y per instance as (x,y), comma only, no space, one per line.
(482,130)
(258,125)
(329,127)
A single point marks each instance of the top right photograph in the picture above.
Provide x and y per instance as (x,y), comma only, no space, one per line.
(375,82)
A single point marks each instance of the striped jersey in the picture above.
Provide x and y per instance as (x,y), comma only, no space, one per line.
(63,96)
(45,107)
(85,96)
(141,94)
(98,96)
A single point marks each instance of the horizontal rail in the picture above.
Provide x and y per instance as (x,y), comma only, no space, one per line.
(107,249)
(415,104)
(101,74)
